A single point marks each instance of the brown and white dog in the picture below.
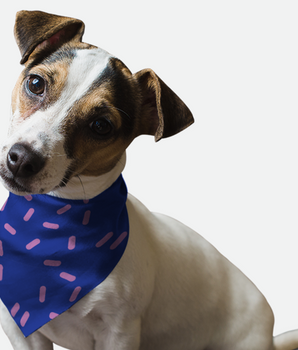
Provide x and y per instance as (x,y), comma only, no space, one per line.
(76,108)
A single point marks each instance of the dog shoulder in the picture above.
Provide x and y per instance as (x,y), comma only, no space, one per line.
(158,226)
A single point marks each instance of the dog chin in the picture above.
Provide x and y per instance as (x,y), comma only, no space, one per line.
(15,188)
(22,190)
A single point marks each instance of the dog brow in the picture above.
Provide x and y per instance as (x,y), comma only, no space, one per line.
(119,87)
(60,55)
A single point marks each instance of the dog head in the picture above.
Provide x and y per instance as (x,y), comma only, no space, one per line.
(76,108)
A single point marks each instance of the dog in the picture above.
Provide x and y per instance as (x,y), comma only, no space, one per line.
(75,110)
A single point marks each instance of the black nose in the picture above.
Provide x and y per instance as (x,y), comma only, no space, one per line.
(23,161)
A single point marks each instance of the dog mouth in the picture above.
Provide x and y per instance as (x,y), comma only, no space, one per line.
(12,185)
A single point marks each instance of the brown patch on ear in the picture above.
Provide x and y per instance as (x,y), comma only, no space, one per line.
(36,29)
(163,113)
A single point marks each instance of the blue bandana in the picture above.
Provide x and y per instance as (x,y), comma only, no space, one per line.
(54,251)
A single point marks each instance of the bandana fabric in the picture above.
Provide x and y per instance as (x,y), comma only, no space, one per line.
(54,251)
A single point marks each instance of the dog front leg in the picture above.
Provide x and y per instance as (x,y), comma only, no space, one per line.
(35,341)
(124,337)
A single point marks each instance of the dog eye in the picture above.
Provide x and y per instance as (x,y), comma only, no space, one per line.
(101,126)
(36,85)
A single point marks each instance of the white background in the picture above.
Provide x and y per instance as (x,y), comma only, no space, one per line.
(232,176)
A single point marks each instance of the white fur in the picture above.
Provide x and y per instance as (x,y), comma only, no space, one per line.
(83,71)
(171,290)
(86,187)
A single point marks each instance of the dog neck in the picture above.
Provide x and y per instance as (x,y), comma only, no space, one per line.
(87,187)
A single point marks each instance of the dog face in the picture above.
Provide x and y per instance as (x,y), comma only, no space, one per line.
(65,120)
(76,108)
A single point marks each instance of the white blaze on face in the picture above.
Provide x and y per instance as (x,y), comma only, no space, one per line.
(85,68)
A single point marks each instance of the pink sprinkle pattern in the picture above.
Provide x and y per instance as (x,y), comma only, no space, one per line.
(32,244)
(64,209)
(42,294)
(75,294)
(86,217)
(72,243)
(10,229)
(104,240)
(25,318)
(54,263)
(1,249)
(50,226)
(118,240)
(67,276)
(53,315)
(28,215)
(3,207)
(15,309)
(29,198)
(1,272)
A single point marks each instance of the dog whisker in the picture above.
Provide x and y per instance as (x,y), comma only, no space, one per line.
(85,196)
(120,110)
(57,154)
(121,161)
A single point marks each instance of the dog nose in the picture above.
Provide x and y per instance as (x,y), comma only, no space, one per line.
(23,161)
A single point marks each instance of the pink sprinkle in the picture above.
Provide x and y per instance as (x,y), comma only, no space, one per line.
(86,201)
(51,226)
(86,217)
(75,294)
(67,276)
(30,212)
(64,209)
(42,294)
(3,207)
(15,309)
(53,315)
(10,229)
(52,263)
(24,318)
(104,240)
(32,244)
(29,197)
(118,240)
(72,242)
(1,272)
(1,248)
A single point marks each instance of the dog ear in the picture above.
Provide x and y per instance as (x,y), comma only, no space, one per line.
(36,29)
(163,113)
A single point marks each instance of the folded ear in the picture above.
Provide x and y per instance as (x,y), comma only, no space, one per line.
(163,113)
(36,29)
